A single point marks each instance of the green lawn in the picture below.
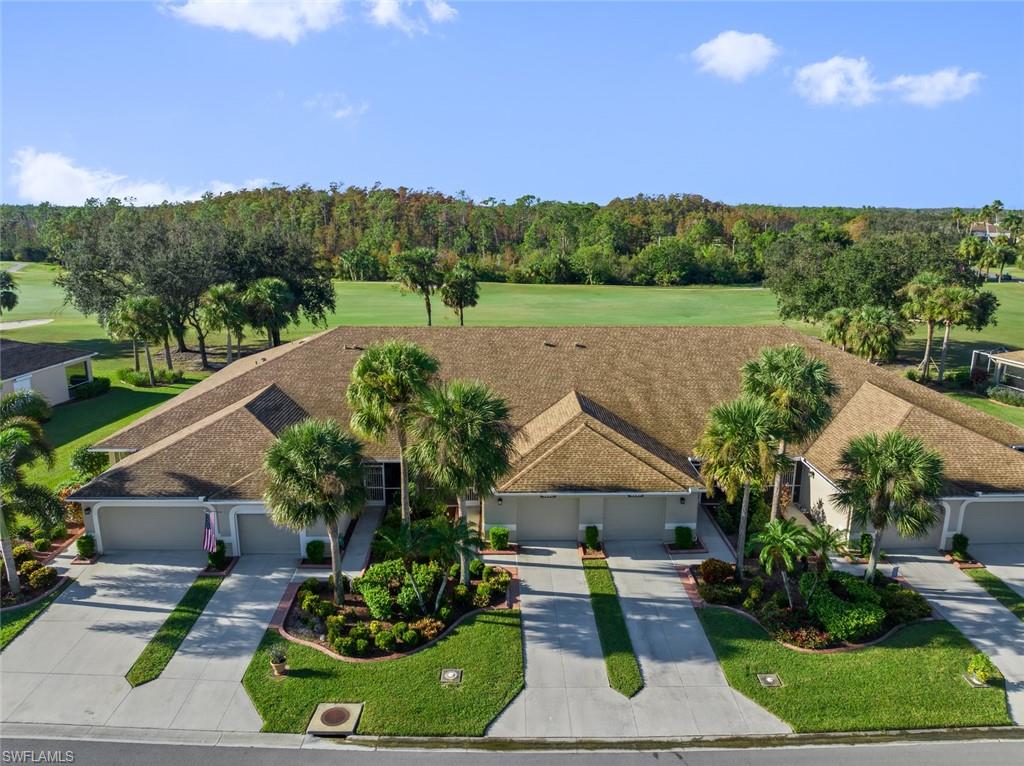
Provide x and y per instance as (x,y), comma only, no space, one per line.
(1006,412)
(168,638)
(998,589)
(16,620)
(909,681)
(404,696)
(620,660)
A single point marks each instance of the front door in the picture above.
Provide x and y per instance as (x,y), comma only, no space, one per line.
(373,480)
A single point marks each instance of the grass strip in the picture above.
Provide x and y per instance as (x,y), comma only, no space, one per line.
(19,618)
(168,638)
(999,590)
(623,669)
(401,697)
(912,680)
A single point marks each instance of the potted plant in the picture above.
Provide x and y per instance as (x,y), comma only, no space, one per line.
(278,661)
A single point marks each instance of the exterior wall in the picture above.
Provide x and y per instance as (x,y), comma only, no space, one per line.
(817,489)
(49,382)
(987,520)
(592,514)
(681,512)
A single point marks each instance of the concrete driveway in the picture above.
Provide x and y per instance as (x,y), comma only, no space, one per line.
(114,610)
(1005,560)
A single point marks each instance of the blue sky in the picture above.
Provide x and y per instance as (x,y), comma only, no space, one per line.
(915,105)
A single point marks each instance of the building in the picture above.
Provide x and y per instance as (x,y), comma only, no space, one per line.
(1004,368)
(47,368)
(608,418)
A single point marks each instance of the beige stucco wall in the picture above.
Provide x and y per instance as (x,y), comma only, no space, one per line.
(819,489)
(681,512)
(50,383)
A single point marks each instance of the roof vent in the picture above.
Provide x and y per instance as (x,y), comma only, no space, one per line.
(577,344)
(549,344)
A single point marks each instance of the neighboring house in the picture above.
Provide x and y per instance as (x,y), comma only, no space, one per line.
(988,231)
(1004,368)
(608,418)
(49,369)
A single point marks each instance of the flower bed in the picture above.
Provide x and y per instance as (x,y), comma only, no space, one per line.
(829,610)
(382,616)
(35,578)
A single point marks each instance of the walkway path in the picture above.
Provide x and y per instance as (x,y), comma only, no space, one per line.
(1004,560)
(357,554)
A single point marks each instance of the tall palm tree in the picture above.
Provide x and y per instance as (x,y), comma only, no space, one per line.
(920,306)
(782,543)
(837,327)
(957,217)
(739,453)
(269,303)
(876,333)
(799,387)
(418,272)
(223,309)
(972,250)
(22,442)
(451,542)
(954,305)
(889,481)
(463,442)
(140,318)
(8,291)
(387,382)
(460,289)
(315,474)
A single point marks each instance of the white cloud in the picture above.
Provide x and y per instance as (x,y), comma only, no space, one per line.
(336,105)
(392,13)
(735,55)
(267,19)
(936,88)
(53,177)
(839,80)
(439,11)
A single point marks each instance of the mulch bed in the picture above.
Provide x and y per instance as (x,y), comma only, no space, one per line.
(512,550)
(209,571)
(970,563)
(698,547)
(28,595)
(57,547)
(591,553)
(307,564)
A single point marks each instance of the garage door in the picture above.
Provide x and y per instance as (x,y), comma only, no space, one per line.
(994,522)
(259,535)
(164,529)
(891,540)
(548,518)
(634,518)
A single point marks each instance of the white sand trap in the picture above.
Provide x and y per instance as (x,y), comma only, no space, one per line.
(23,323)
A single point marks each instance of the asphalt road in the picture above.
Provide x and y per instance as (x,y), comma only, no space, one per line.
(84,753)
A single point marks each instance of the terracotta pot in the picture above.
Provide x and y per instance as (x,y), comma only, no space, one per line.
(280,668)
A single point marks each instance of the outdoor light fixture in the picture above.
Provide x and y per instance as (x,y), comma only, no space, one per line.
(770,680)
(451,676)
(499,501)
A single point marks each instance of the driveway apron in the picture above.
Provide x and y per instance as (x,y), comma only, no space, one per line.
(1004,560)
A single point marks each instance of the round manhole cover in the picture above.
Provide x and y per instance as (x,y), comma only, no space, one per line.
(334,716)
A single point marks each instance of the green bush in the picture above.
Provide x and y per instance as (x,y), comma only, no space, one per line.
(958,378)
(407,602)
(335,627)
(482,597)
(858,590)
(86,545)
(138,379)
(385,641)
(445,614)
(411,638)
(499,538)
(487,574)
(42,578)
(26,568)
(1006,396)
(960,543)
(22,553)
(844,620)
(360,630)
(41,544)
(591,538)
(454,571)
(90,389)
(982,668)
(866,542)
(912,374)
(163,375)
(345,646)
(217,558)
(684,537)
(399,629)
(362,647)
(460,595)
(86,464)
(58,531)
(721,593)
(714,571)
(903,605)
(378,601)
(315,551)
(24,532)
(476,568)
(500,580)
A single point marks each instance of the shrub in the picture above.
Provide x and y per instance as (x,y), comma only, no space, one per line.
(1006,396)
(855,588)
(445,614)
(959,378)
(805,637)
(335,627)
(24,532)
(42,578)
(482,597)
(429,627)
(487,574)
(86,464)
(217,558)
(378,601)
(904,605)
(591,538)
(41,544)
(86,545)
(411,638)
(309,585)
(387,574)
(460,594)
(844,620)
(960,544)
(399,629)
(26,568)
(407,602)
(362,647)
(360,630)
(454,571)
(912,374)
(163,375)
(22,553)
(981,668)
(684,537)
(476,568)
(91,388)
(720,593)
(499,538)
(345,646)
(500,580)
(385,641)
(138,379)
(315,551)
(864,547)
(58,531)
(715,570)
(310,603)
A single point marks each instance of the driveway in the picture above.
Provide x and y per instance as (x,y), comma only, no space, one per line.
(1004,560)
(199,689)
(987,624)
(567,692)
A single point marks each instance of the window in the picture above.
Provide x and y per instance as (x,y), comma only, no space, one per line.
(76,373)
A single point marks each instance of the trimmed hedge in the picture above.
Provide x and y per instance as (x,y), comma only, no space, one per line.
(91,388)
(844,620)
(1006,396)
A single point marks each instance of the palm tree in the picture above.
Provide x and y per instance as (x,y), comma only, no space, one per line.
(463,442)
(22,442)
(957,217)
(799,387)
(409,543)
(8,292)
(387,382)
(782,543)
(269,303)
(877,332)
(837,327)
(417,271)
(920,305)
(954,305)
(460,290)
(971,249)
(315,474)
(822,542)
(140,318)
(890,481)
(451,542)
(739,452)
(223,309)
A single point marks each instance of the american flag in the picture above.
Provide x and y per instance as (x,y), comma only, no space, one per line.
(209,536)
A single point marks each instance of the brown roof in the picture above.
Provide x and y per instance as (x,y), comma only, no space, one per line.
(637,391)
(1016,357)
(17,358)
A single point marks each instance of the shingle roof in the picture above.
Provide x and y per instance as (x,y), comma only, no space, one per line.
(17,358)
(1017,357)
(646,389)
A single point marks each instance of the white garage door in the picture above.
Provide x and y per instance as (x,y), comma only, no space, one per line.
(634,518)
(547,518)
(162,529)
(259,535)
(891,540)
(994,522)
